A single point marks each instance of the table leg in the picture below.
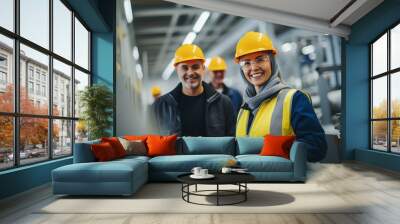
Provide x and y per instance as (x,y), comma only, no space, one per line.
(182,188)
(245,193)
(196,188)
(188,190)
(217,194)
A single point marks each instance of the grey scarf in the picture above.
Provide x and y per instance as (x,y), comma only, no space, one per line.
(270,89)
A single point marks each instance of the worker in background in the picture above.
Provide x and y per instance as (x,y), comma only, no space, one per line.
(155,92)
(194,108)
(151,121)
(271,106)
(217,68)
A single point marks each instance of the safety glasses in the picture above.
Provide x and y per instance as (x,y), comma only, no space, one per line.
(259,61)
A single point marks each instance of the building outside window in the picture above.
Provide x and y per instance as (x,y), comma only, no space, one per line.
(3,61)
(3,71)
(44,77)
(55,96)
(30,87)
(30,72)
(43,90)
(3,78)
(37,74)
(38,89)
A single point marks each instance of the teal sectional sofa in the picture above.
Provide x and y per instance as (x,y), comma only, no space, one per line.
(125,176)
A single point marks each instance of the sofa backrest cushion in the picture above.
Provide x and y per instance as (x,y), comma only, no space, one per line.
(249,145)
(206,145)
(83,152)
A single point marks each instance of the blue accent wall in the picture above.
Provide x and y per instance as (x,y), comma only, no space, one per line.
(102,58)
(91,12)
(103,48)
(103,61)
(376,158)
(99,15)
(24,178)
(356,98)
(356,85)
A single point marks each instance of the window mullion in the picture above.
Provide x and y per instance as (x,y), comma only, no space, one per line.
(16,84)
(50,81)
(389,106)
(371,89)
(73,82)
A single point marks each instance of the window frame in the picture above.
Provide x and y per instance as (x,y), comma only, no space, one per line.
(388,74)
(16,114)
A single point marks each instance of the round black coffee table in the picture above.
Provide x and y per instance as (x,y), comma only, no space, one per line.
(238,179)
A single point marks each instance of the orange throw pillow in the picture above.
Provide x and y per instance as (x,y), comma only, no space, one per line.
(103,151)
(116,145)
(277,146)
(161,145)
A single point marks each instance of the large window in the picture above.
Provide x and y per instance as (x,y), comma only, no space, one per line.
(385,92)
(44,64)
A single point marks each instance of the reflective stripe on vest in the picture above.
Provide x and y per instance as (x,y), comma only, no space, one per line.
(272,117)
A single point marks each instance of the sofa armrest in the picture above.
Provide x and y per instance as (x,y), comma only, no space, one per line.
(298,155)
(83,152)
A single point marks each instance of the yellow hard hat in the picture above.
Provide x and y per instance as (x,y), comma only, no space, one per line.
(217,64)
(155,90)
(187,52)
(253,42)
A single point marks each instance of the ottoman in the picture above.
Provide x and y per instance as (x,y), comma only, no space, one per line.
(119,177)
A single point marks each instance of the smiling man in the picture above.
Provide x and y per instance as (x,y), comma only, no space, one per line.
(194,108)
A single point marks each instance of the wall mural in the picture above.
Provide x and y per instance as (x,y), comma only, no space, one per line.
(160,83)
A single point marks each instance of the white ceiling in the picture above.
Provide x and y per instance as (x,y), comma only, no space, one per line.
(161,26)
(315,15)
(320,9)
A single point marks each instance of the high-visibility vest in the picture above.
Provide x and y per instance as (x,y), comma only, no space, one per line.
(272,117)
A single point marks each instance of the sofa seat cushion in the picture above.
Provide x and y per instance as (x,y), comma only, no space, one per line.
(133,158)
(257,163)
(112,171)
(185,163)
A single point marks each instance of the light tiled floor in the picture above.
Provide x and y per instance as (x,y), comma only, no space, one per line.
(380,189)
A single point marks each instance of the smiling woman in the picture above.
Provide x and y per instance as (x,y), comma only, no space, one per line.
(272,107)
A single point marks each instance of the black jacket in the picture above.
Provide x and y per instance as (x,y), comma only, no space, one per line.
(235,96)
(219,114)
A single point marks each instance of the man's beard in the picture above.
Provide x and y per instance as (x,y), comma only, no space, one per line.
(188,81)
